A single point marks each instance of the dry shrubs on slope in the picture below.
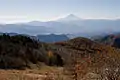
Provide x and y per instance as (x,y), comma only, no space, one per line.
(88,57)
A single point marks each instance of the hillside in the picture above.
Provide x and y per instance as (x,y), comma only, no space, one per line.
(89,58)
(79,56)
(21,52)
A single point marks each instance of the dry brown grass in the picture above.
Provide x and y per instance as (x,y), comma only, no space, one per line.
(44,73)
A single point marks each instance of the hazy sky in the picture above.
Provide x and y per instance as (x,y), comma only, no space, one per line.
(27,10)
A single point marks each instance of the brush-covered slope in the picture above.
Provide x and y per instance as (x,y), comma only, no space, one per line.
(84,44)
(87,57)
(21,52)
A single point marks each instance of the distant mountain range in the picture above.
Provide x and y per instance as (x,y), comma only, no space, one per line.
(70,25)
(110,39)
(52,38)
(48,38)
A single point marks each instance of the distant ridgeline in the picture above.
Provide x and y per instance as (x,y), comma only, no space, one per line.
(111,39)
(50,38)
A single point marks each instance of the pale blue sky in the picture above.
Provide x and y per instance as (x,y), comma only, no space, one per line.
(27,10)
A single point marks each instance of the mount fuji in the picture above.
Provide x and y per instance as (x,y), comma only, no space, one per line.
(70,17)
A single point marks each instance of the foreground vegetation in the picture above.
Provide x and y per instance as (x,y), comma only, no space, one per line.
(76,59)
(20,52)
